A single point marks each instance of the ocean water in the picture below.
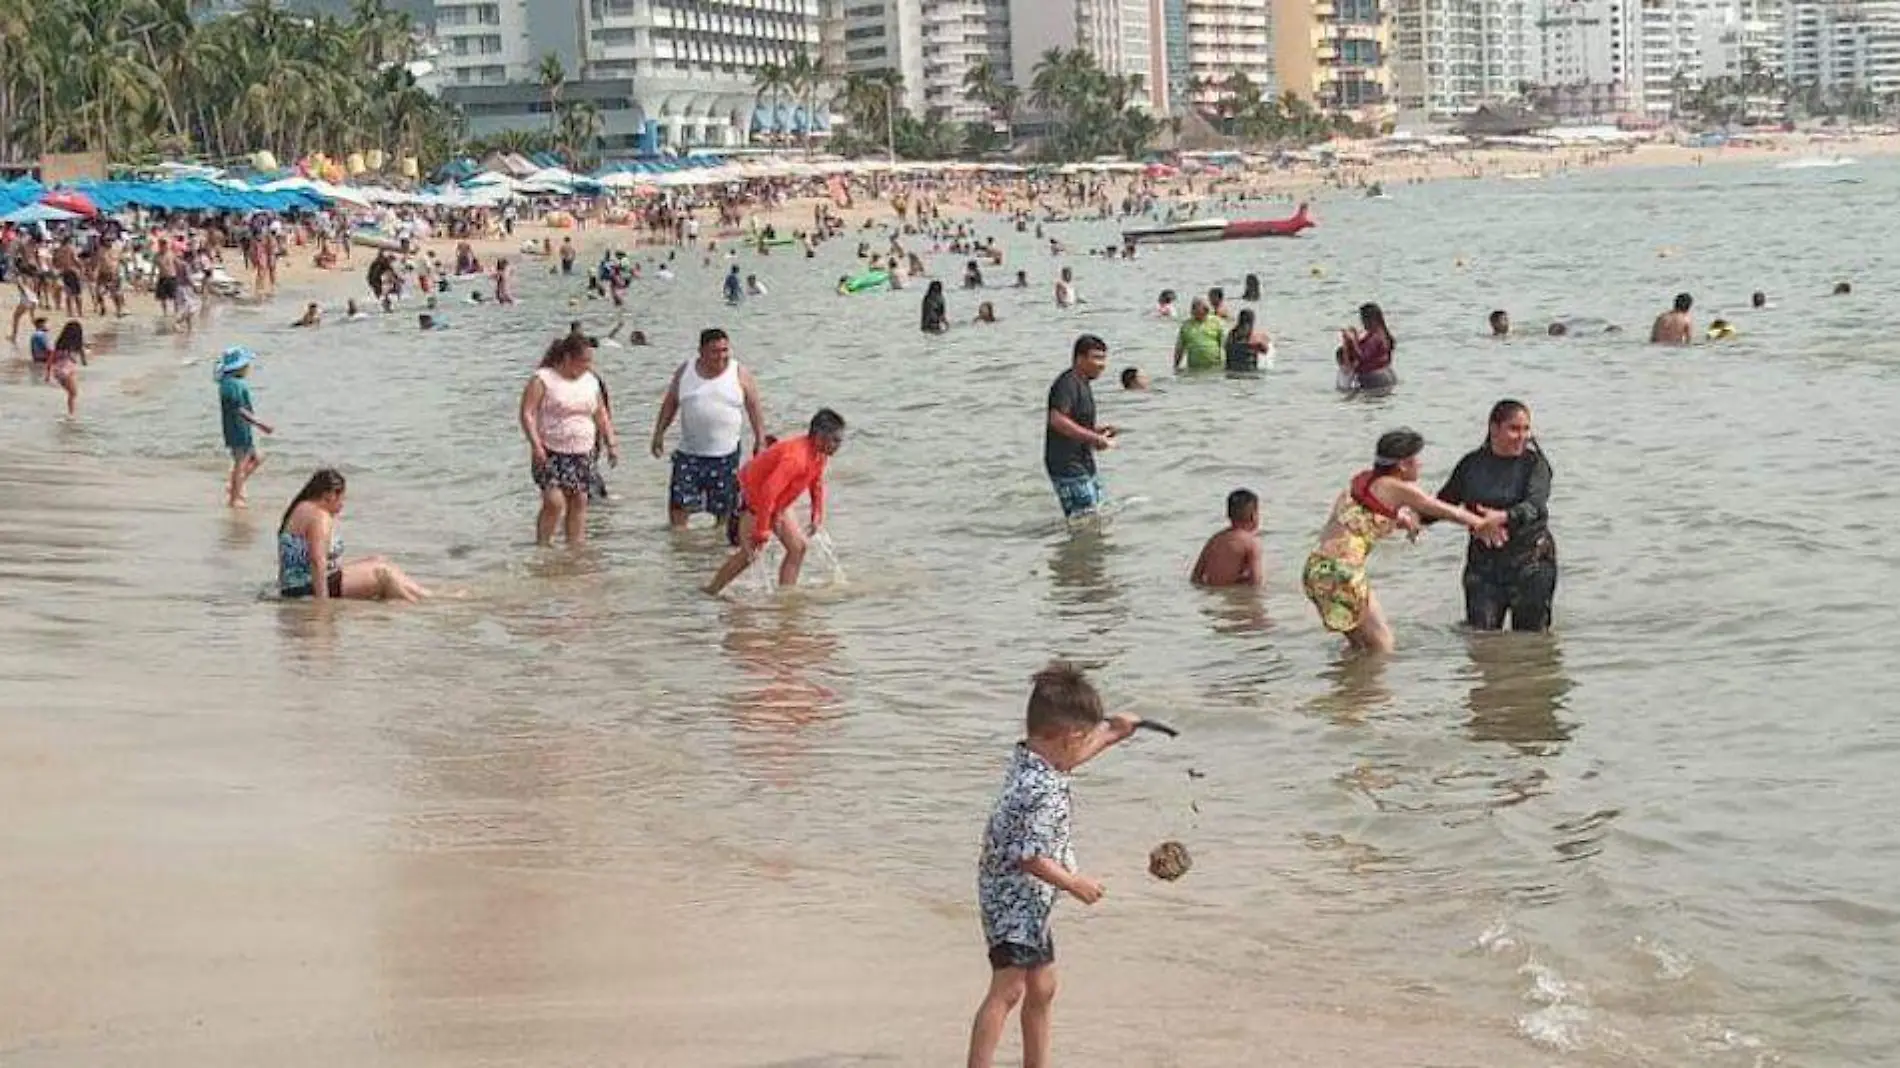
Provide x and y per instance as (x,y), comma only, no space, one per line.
(1657,836)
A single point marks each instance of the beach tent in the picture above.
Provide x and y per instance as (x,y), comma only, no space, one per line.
(38,213)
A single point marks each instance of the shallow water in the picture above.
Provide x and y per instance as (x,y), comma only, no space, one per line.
(1656,837)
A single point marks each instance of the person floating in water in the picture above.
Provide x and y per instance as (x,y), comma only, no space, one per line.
(1500,321)
(986,312)
(312,315)
(1758,300)
(1133,379)
(1232,556)
(754,287)
(771,483)
(234,404)
(1674,327)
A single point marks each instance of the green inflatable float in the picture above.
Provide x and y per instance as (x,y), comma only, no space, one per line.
(867,280)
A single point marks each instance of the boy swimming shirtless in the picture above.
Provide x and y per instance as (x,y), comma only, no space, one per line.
(1232,556)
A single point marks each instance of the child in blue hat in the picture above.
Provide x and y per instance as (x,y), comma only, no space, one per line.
(234,399)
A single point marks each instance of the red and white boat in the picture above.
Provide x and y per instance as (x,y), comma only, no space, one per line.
(1287,227)
(1222,229)
(1174,233)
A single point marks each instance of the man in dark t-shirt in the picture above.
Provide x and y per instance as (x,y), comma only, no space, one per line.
(1070,436)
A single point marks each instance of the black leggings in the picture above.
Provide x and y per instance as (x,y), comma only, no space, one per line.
(1524,588)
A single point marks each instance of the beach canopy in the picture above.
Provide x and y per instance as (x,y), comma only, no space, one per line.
(38,213)
(70,200)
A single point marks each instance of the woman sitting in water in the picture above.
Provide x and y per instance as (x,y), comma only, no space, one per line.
(308,545)
(1247,347)
(1367,353)
(1379,500)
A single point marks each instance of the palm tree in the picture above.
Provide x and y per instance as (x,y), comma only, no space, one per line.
(553,78)
(771,82)
(807,78)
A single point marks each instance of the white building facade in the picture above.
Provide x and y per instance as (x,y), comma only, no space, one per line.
(1224,38)
(1844,47)
(679,73)
(1451,56)
(1118,33)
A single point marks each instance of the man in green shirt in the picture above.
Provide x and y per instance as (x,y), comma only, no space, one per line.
(1199,342)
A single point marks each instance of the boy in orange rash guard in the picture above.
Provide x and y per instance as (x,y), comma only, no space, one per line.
(772,482)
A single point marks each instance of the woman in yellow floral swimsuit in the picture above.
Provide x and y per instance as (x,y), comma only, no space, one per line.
(1379,501)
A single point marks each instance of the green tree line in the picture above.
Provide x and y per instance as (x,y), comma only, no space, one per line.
(147,79)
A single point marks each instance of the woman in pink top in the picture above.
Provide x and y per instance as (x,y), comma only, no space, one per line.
(564,414)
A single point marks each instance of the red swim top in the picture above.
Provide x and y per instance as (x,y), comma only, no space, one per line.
(1362,494)
(775,479)
(1372,353)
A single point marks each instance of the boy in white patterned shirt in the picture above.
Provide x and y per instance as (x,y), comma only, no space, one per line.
(1027,858)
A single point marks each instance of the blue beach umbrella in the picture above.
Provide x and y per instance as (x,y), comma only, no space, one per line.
(38,213)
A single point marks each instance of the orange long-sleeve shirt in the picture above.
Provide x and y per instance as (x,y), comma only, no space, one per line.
(775,479)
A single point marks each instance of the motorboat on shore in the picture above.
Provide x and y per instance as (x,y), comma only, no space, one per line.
(1221,229)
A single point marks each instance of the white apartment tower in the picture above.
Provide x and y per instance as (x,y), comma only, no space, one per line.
(1844,46)
(1604,59)
(1451,56)
(1118,33)
(1225,38)
(931,44)
(663,72)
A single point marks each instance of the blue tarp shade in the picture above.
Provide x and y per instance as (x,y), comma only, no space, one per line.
(194,195)
(34,213)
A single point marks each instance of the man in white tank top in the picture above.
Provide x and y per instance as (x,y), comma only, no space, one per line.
(714,399)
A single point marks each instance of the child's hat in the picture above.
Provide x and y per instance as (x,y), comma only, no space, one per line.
(235,359)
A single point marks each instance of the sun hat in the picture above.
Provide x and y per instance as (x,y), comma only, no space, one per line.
(235,359)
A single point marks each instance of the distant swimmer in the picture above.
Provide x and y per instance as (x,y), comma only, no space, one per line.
(1557,330)
(1842,289)
(1500,323)
(986,312)
(1367,352)
(1065,289)
(1133,379)
(1759,300)
(771,484)
(1197,345)
(351,313)
(936,316)
(1250,290)
(312,315)
(1022,280)
(1165,306)
(1674,327)
(1232,556)
(1720,330)
(754,287)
